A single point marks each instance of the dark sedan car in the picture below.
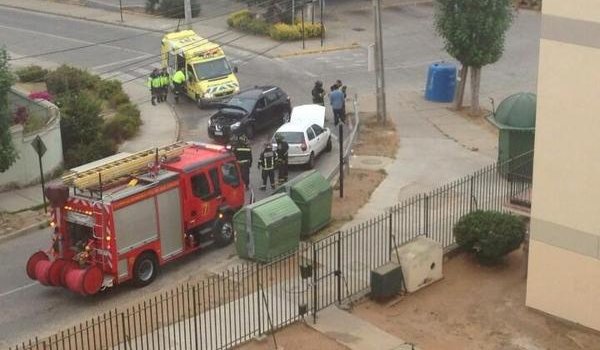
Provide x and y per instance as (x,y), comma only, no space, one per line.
(250,111)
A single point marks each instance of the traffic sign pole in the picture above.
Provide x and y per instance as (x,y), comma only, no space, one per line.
(40,149)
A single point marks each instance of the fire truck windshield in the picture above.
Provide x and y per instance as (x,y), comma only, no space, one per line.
(212,69)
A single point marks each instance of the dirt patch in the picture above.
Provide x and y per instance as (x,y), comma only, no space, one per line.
(15,221)
(358,186)
(298,337)
(478,119)
(375,138)
(476,307)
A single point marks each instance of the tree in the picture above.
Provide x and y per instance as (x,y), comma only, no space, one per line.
(473,33)
(8,154)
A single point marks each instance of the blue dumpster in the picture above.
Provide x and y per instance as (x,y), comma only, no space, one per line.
(441,82)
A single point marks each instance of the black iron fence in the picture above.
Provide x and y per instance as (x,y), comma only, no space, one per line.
(250,300)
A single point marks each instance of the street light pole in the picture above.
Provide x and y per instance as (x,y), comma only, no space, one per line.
(379,66)
(187,10)
(121,9)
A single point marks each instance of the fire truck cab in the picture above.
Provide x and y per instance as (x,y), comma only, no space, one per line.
(120,218)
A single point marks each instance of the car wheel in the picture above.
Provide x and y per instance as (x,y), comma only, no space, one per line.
(145,269)
(328,146)
(311,161)
(249,131)
(285,118)
(223,232)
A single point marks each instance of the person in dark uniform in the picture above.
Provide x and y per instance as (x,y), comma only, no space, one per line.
(243,153)
(266,162)
(318,93)
(282,157)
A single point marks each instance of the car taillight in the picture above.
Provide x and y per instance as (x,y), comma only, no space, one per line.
(303,146)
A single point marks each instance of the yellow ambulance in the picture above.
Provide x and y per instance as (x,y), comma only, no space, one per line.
(209,76)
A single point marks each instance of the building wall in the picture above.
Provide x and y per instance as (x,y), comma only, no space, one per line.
(564,258)
(25,170)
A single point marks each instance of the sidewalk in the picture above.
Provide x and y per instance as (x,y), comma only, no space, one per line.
(214,28)
(436,146)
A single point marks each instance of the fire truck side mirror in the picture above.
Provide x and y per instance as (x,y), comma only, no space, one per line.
(235,69)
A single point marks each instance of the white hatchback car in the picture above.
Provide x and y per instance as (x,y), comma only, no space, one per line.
(306,134)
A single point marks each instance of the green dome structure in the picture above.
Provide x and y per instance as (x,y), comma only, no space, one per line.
(515,119)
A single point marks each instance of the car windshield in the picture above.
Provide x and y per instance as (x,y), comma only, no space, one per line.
(291,136)
(212,69)
(246,103)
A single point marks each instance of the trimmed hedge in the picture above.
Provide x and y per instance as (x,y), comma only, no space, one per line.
(246,21)
(31,74)
(489,234)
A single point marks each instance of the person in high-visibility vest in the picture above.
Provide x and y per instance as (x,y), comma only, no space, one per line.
(178,81)
(267,164)
(154,85)
(243,153)
(164,85)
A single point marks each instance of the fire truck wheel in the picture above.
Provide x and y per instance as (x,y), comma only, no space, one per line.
(223,232)
(145,269)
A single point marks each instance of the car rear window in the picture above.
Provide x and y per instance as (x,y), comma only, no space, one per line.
(292,136)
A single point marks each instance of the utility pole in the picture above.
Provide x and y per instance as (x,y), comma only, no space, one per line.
(121,9)
(293,12)
(321,6)
(379,67)
(187,9)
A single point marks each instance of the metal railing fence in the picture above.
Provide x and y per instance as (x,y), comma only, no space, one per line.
(252,299)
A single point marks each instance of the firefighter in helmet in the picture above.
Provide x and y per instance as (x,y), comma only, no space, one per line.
(243,153)
(266,163)
(282,159)
(318,93)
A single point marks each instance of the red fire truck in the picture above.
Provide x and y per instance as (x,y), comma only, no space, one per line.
(120,218)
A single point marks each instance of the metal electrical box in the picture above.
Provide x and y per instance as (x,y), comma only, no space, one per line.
(386,281)
(421,261)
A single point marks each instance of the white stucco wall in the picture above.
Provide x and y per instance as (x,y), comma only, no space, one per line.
(25,170)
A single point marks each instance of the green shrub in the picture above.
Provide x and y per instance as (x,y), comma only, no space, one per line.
(245,21)
(66,79)
(175,8)
(80,119)
(124,125)
(489,234)
(107,88)
(117,99)
(32,74)
(88,152)
(151,5)
(285,32)
(129,109)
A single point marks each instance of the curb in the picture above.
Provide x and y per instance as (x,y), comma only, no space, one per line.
(319,50)
(148,29)
(23,231)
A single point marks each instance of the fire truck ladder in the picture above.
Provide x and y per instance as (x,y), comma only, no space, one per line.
(130,165)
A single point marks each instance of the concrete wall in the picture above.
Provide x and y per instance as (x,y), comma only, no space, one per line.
(564,258)
(25,170)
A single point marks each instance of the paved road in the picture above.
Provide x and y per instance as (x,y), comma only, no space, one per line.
(27,306)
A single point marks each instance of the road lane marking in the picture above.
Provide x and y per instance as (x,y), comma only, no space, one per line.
(72,39)
(141,58)
(18,289)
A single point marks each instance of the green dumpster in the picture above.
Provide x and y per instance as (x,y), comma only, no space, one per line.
(515,119)
(313,194)
(268,228)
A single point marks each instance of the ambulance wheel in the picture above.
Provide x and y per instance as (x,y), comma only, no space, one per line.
(223,232)
(328,147)
(145,269)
